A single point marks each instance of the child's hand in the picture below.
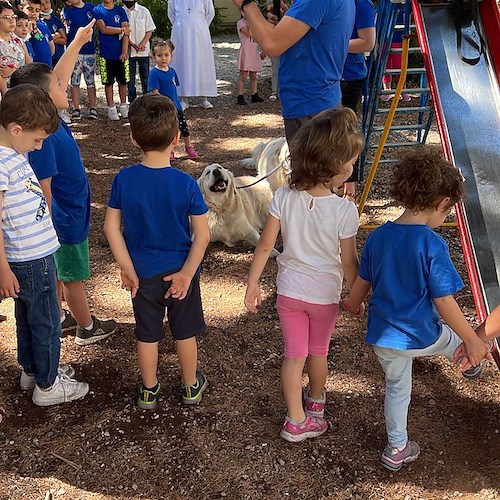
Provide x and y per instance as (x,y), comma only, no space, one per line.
(123,56)
(130,281)
(350,308)
(9,286)
(253,298)
(179,286)
(84,34)
(477,350)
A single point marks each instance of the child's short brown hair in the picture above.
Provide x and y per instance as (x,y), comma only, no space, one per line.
(21,15)
(160,42)
(154,122)
(422,178)
(37,111)
(36,73)
(5,6)
(322,146)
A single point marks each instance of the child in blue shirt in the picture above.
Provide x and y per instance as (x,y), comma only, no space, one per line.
(58,166)
(163,80)
(56,28)
(112,22)
(408,267)
(27,272)
(77,14)
(158,259)
(41,38)
(23,29)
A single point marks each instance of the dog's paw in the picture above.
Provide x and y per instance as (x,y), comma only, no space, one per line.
(229,244)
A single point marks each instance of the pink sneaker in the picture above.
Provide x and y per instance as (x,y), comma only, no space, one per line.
(385,97)
(311,427)
(191,152)
(406,97)
(314,407)
(172,156)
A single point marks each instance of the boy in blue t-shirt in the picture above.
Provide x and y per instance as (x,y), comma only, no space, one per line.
(58,166)
(41,38)
(159,261)
(77,14)
(112,22)
(22,30)
(56,28)
(27,272)
(408,267)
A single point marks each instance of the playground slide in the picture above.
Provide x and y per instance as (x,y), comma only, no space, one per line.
(466,98)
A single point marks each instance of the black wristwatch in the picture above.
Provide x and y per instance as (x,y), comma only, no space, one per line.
(245,3)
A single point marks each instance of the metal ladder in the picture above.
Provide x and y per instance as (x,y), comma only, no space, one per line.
(420,116)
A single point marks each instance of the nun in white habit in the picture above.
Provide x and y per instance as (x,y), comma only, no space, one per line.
(193,58)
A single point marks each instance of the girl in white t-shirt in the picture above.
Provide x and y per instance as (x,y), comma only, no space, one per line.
(319,245)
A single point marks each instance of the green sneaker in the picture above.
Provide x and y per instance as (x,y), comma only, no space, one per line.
(191,394)
(100,330)
(147,398)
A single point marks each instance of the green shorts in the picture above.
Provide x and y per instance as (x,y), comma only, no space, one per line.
(72,262)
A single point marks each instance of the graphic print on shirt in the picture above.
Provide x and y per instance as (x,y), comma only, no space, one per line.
(33,187)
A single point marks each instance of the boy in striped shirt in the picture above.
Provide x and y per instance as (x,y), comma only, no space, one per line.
(27,242)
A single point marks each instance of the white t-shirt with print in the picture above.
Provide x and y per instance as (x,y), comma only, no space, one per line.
(27,228)
(310,268)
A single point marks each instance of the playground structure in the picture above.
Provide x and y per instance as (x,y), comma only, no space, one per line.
(460,45)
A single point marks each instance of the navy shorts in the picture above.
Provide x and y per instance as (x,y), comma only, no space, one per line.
(185,317)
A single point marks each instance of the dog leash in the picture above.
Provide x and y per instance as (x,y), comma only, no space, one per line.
(275,169)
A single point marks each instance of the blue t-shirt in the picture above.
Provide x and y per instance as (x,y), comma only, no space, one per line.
(408,266)
(76,17)
(54,24)
(310,71)
(156,204)
(355,64)
(110,46)
(29,48)
(60,159)
(166,82)
(41,48)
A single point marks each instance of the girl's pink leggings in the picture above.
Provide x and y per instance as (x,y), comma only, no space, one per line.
(307,328)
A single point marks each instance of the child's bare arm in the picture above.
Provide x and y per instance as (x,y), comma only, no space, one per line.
(490,328)
(264,248)
(125,42)
(359,291)
(9,286)
(182,279)
(349,258)
(112,230)
(108,30)
(66,64)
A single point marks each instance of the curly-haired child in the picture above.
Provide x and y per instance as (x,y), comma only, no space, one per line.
(408,267)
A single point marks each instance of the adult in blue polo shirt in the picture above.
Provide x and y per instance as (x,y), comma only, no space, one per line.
(312,39)
(355,71)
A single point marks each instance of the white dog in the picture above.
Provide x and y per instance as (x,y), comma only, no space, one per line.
(234,214)
(266,157)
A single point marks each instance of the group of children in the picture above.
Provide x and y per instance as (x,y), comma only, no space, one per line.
(45,207)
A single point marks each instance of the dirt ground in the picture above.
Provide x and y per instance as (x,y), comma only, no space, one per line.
(104,447)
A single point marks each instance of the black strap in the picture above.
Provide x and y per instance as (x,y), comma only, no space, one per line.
(474,14)
(277,8)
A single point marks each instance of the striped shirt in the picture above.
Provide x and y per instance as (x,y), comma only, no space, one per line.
(27,228)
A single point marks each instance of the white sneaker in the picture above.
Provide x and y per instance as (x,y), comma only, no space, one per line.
(65,116)
(207,104)
(184,104)
(63,390)
(123,108)
(28,383)
(112,113)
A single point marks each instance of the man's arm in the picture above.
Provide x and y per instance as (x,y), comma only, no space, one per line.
(364,43)
(274,40)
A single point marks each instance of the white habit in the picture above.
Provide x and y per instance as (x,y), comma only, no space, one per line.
(193,58)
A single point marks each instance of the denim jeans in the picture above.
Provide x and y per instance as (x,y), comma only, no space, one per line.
(143,63)
(397,365)
(38,319)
